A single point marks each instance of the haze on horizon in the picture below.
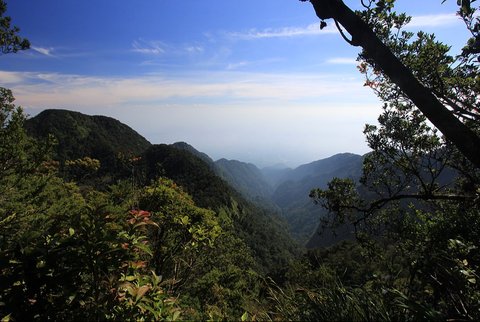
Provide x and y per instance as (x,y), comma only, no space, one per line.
(252,81)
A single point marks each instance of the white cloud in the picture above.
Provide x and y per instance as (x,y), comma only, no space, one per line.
(148,47)
(44,51)
(237,65)
(10,78)
(437,20)
(342,61)
(194,49)
(51,90)
(312,29)
(218,112)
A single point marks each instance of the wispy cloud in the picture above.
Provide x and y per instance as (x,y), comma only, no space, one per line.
(216,111)
(438,20)
(11,78)
(158,47)
(148,47)
(342,61)
(51,90)
(194,49)
(233,66)
(312,29)
(43,50)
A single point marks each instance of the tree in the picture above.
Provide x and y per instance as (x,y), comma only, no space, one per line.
(10,42)
(363,33)
(418,198)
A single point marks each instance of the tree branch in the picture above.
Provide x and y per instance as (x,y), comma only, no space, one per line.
(467,142)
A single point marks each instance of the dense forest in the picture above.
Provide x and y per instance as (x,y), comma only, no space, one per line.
(97,223)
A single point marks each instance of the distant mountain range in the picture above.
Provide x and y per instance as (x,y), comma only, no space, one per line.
(288,190)
(276,189)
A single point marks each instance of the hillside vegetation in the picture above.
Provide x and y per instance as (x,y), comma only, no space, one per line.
(97,224)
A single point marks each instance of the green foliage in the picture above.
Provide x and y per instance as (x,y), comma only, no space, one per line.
(415,209)
(141,294)
(227,274)
(261,231)
(184,228)
(97,137)
(10,41)
(73,247)
(14,145)
(452,79)
(81,169)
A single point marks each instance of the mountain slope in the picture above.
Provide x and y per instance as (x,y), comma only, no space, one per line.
(261,230)
(245,177)
(292,194)
(81,135)
(187,147)
(104,138)
(323,166)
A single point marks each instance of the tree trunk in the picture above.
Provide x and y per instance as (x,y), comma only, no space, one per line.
(467,142)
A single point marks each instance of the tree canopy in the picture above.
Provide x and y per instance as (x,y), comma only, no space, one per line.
(416,205)
(10,41)
(371,31)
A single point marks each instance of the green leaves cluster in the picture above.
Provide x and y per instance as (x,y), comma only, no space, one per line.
(70,253)
(10,41)
(127,251)
(416,206)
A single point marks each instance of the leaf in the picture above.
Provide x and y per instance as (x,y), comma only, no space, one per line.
(40,264)
(130,278)
(185,220)
(144,248)
(71,231)
(176,315)
(71,298)
(141,292)
(244,316)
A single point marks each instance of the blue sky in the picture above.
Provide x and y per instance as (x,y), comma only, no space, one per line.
(250,80)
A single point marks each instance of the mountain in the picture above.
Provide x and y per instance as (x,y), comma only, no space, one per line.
(104,138)
(261,229)
(187,147)
(286,190)
(323,166)
(79,135)
(239,189)
(297,184)
(294,186)
(245,177)
(275,174)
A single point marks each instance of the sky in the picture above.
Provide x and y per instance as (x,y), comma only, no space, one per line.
(252,80)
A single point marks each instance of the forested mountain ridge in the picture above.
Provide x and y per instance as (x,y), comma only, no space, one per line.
(292,192)
(187,147)
(113,144)
(79,136)
(260,228)
(327,165)
(248,179)
(83,241)
(296,184)
(286,190)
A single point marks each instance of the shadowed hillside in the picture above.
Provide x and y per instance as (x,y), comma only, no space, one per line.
(79,135)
